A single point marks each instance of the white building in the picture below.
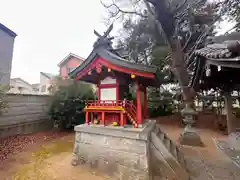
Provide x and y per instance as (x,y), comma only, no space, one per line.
(19,86)
(46,81)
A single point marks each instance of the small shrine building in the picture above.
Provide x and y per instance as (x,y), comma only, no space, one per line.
(113,74)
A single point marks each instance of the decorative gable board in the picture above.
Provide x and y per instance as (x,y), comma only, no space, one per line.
(108,80)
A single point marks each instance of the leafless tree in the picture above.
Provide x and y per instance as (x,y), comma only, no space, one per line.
(176,21)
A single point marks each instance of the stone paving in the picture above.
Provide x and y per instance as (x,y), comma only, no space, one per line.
(233,154)
(209,162)
(200,169)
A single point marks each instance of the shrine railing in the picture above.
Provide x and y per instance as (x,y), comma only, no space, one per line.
(109,103)
(128,106)
(103,103)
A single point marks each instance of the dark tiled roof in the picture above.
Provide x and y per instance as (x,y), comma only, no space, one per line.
(226,51)
(115,59)
(7,30)
(214,51)
(226,54)
(225,47)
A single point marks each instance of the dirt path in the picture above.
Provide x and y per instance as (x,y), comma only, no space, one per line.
(46,161)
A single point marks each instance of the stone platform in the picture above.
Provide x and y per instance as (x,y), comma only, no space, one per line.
(119,152)
(129,153)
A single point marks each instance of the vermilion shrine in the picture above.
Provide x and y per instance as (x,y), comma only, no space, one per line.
(113,74)
(123,153)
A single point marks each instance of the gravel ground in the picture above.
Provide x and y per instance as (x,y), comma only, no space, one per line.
(15,144)
(42,156)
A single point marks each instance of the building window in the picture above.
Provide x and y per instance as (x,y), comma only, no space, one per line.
(71,69)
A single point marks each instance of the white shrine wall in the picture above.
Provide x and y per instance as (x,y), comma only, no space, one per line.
(108,93)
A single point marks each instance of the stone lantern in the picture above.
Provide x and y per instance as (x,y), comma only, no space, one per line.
(189,136)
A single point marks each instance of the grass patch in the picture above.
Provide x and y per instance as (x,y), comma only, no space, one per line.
(34,170)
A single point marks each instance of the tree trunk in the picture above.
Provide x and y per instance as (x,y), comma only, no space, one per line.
(180,71)
(166,26)
(229,109)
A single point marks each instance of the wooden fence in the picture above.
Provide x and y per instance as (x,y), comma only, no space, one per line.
(25,114)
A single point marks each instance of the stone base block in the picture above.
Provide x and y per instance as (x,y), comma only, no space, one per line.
(118,152)
(190,138)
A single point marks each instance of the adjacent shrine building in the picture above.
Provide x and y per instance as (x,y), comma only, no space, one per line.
(113,74)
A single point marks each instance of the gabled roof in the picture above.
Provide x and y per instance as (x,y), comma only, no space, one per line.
(66,59)
(20,79)
(104,54)
(224,54)
(48,75)
(7,30)
(114,59)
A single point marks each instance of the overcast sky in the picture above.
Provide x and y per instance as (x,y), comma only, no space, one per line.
(48,30)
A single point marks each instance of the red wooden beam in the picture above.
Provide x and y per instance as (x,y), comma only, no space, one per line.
(102,86)
(125,70)
(86,70)
(110,65)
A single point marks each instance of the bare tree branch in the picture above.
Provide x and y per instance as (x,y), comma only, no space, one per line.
(180,7)
(119,10)
(234,27)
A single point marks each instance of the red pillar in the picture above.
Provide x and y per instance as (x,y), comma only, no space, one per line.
(124,119)
(145,106)
(87,118)
(121,119)
(139,106)
(99,93)
(103,118)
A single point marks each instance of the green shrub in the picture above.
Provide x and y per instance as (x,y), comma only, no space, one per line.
(68,103)
(237,112)
(160,108)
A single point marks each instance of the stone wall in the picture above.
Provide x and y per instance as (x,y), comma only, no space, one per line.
(119,153)
(129,153)
(25,114)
